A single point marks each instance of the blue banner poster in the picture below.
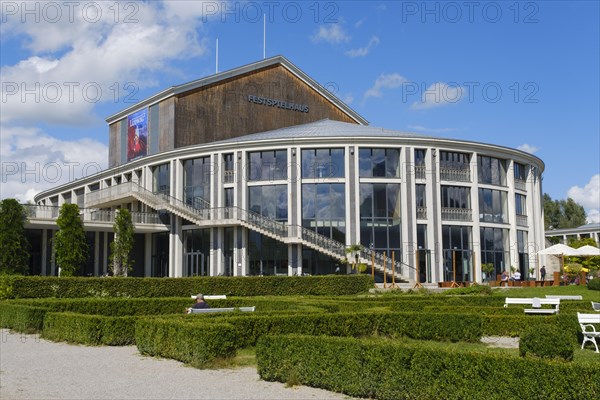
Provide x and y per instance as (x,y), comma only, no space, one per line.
(137,134)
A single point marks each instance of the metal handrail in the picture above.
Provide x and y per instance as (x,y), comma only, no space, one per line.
(254,220)
(89,214)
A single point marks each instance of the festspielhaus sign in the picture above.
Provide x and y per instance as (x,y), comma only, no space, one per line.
(278,103)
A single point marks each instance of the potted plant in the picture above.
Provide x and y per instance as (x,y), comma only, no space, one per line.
(487,271)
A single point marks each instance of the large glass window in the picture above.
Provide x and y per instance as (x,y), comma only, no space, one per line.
(380,225)
(493,206)
(454,160)
(521,204)
(162,179)
(196,255)
(324,209)
(376,163)
(456,197)
(323,163)
(491,170)
(494,248)
(267,256)
(228,168)
(458,259)
(520,171)
(269,201)
(267,165)
(523,254)
(198,172)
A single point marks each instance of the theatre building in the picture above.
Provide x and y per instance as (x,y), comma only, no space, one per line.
(261,171)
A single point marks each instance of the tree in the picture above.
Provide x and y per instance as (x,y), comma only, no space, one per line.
(562,214)
(590,262)
(70,245)
(354,250)
(123,243)
(14,257)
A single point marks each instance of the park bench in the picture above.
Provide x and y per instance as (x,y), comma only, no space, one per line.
(212,296)
(536,303)
(587,321)
(215,310)
(577,297)
(595,306)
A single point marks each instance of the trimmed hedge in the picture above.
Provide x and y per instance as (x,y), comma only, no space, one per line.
(594,284)
(381,369)
(89,329)
(553,342)
(22,318)
(195,344)
(451,327)
(42,286)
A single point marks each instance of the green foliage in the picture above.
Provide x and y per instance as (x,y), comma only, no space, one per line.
(562,214)
(195,344)
(22,318)
(14,257)
(593,262)
(89,329)
(384,369)
(488,269)
(473,289)
(594,284)
(46,286)
(70,245)
(552,342)
(121,247)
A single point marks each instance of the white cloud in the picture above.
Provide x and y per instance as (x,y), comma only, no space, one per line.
(528,148)
(421,128)
(363,51)
(348,99)
(79,64)
(384,81)
(589,197)
(334,34)
(439,94)
(33,161)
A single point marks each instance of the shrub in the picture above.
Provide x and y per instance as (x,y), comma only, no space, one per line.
(89,329)
(385,369)
(195,344)
(474,289)
(594,284)
(22,318)
(41,287)
(551,342)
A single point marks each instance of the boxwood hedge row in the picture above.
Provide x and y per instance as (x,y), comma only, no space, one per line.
(89,329)
(22,318)
(42,286)
(394,370)
(195,344)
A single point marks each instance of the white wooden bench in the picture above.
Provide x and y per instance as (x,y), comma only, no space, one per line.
(587,321)
(595,306)
(212,296)
(536,303)
(577,297)
(215,310)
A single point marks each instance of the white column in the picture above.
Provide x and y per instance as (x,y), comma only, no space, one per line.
(175,248)
(105,254)
(476,251)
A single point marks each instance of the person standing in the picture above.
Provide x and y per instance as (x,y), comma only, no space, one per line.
(543,272)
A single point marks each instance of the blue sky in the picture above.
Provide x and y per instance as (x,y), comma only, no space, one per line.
(518,74)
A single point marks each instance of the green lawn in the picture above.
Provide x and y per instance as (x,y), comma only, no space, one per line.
(591,295)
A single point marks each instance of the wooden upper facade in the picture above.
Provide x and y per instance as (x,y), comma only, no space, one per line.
(260,97)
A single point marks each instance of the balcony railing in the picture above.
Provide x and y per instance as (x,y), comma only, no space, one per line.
(419,172)
(89,214)
(520,184)
(455,175)
(228,176)
(522,220)
(456,214)
(421,212)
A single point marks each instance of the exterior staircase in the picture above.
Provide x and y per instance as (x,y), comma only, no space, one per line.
(203,215)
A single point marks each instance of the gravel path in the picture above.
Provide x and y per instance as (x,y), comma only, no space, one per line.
(32,368)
